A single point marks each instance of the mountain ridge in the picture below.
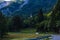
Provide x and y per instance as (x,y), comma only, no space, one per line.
(31,7)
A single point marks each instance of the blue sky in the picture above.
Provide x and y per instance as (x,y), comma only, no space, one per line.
(11,0)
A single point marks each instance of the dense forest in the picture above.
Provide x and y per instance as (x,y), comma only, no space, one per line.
(48,22)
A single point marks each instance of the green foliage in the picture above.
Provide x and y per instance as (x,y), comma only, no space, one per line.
(26,21)
(58,24)
(40,15)
(16,23)
(3,26)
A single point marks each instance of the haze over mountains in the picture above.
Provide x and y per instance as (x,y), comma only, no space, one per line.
(26,7)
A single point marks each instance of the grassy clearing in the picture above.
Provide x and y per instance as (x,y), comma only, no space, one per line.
(28,30)
(26,33)
(23,34)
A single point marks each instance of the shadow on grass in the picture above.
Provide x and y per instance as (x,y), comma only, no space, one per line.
(4,39)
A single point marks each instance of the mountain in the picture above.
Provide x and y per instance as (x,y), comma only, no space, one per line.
(29,7)
(4,4)
(8,7)
(33,7)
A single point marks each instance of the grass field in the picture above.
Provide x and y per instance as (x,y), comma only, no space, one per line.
(24,34)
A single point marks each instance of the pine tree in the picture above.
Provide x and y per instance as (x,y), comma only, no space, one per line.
(16,23)
(3,28)
(40,20)
(55,15)
(40,15)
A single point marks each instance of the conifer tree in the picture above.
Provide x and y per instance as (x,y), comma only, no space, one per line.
(40,15)
(55,15)
(3,28)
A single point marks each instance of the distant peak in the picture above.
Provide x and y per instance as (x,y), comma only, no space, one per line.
(4,4)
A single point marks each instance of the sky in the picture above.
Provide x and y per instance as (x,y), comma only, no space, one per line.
(11,0)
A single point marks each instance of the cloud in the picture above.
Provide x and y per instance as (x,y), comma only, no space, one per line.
(6,0)
(11,0)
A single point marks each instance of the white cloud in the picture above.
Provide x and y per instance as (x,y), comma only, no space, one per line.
(9,0)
